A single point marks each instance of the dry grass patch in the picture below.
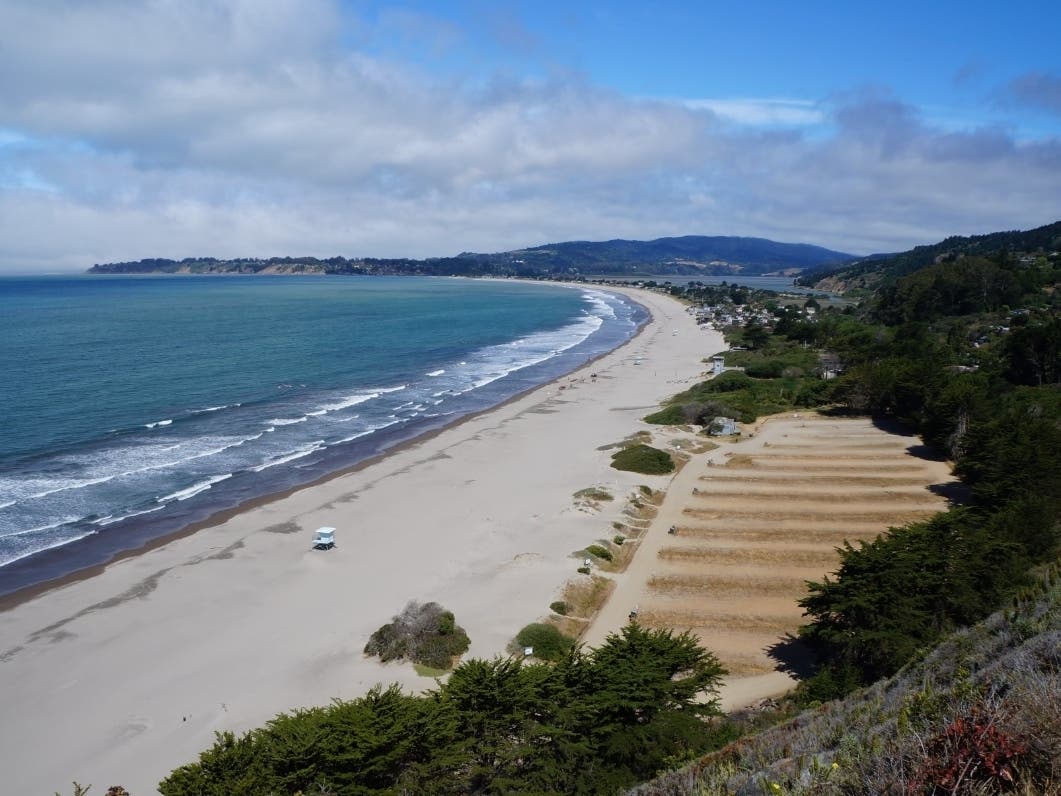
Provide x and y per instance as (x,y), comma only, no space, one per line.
(735,555)
(727,586)
(740,460)
(693,445)
(638,510)
(718,622)
(744,665)
(821,495)
(570,626)
(791,478)
(884,517)
(736,537)
(585,596)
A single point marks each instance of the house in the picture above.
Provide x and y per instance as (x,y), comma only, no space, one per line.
(723,427)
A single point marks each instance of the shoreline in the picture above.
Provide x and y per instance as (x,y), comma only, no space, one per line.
(223,628)
(29,592)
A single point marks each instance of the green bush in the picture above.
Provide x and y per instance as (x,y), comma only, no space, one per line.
(598,722)
(548,643)
(583,570)
(672,415)
(426,634)
(643,459)
(770,369)
(599,551)
(559,607)
(618,539)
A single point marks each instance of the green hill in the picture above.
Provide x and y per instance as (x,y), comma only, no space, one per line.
(881,269)
(689,255)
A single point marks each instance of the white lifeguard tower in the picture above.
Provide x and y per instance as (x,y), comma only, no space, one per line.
(718,364)
(324,538)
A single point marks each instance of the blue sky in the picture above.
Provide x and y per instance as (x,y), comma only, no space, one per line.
(255,127)
(953,59)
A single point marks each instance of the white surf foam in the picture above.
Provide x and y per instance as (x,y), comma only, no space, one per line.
(104,521)
(27,553)
(194,489)
(313,447)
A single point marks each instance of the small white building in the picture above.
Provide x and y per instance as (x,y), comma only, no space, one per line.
(718,364)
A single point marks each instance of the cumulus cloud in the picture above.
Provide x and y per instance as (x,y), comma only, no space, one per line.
(251,127)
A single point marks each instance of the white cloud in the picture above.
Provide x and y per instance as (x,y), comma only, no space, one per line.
(178,128)
(763,112)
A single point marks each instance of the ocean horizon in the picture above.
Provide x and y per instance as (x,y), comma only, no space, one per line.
(140,405)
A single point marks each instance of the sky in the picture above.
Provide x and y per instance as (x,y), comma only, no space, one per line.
(183,128)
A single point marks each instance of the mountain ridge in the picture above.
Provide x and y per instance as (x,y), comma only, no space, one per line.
(685,255)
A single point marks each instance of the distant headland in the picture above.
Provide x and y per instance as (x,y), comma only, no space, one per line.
(685,256)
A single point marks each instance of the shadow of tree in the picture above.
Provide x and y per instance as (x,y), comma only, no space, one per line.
(793,657)
(954,492)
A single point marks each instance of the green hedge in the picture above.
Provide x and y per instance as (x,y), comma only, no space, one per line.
(643,459)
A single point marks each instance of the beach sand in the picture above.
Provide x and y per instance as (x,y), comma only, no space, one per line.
(120,677)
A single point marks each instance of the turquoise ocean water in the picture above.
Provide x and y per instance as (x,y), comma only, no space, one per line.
(134,406)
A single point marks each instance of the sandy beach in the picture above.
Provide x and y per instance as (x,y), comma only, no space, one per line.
(120,677)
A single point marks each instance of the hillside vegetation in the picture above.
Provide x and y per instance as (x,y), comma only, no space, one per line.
(691,255)
(980,713)
(878,270)
(590,723)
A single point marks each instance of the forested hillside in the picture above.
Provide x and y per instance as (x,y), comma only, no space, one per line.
(689,255)
(1043,242)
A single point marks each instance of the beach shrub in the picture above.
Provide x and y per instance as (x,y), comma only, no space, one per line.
(559,607)
(424,633)
(599,551)
(618,539)
(583,570)
(594,493)
(548,643)
(643,459)
(668,416)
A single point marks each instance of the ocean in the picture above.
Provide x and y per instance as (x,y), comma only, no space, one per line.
(135,406)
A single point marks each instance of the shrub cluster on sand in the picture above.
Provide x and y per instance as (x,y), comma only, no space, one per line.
(548,643)
(424,633)
(594,493)
(643,459)
(599,551)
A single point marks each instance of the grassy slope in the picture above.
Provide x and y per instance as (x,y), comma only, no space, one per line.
(1006,670)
